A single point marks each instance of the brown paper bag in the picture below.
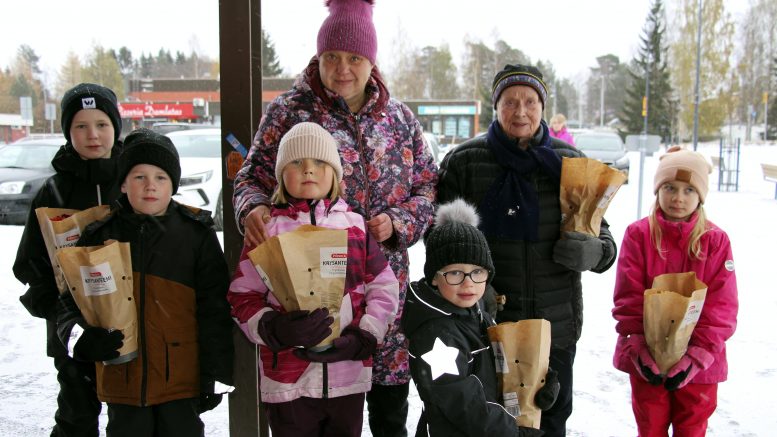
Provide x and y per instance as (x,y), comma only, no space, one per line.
(305,270)
(587,187)
(521,351)
(672,308)
(100,280)
(62,228)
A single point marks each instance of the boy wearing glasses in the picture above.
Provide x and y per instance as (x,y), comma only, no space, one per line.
(451,360)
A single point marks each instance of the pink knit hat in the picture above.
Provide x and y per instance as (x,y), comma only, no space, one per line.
(349,28)
(683,165)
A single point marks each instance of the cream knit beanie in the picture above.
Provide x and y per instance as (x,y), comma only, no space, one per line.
(308,140)
(683,165)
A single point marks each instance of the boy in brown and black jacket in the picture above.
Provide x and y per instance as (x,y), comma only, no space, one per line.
(180,280)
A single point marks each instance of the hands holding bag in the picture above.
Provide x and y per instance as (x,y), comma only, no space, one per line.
(98,344)
(637,350)
(295,328)
(547,394)
(695,360)
(353,344)
(577,251)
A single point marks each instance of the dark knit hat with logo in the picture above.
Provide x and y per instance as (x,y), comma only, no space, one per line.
(519,75)
(349,28)
(144,146)
(90,96)
(455,239)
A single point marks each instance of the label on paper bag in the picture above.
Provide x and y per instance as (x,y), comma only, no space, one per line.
(604,202)
(334,262)
(98,280)
(693,314)
(67,238)
(511,403)
(499,357)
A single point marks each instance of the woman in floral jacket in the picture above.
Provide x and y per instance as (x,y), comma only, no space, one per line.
(389,176)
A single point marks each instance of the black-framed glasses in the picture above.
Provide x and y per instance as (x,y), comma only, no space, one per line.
(456,277)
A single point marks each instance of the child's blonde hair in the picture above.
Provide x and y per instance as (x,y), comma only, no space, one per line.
(281,196)
(694,242)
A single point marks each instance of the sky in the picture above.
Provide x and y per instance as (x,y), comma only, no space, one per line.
(569,33)
(602,406)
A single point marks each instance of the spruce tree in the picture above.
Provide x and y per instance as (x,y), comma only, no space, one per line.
(271,67)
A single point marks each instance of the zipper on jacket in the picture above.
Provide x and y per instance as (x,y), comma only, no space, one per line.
(360,143)
(324,381)
(141,318)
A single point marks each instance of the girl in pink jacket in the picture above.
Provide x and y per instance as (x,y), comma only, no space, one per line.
(676,238)
(306,392)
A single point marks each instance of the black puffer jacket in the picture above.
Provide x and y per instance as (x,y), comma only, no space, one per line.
(78,184)
(461,403)
(535,285)
(180,282)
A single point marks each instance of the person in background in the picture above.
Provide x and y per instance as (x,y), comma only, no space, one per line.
(389,175)
(675,238)
(85,177)
(516,192)
(307,392)
(558,129)
(180,281)
(444,313)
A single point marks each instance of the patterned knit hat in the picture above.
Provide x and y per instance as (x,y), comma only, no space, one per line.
(144,146)
(90,96)
(519,75)
(455,239)
(678,164)
(308,140)
(349,28)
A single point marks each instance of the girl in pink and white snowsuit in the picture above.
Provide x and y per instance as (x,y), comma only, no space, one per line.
(306,392)
(676,238)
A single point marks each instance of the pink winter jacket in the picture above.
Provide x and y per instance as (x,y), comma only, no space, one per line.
(563,135)
(639,263)
(370,302)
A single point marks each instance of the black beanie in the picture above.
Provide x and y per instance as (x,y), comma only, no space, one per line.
(90,96)
(144,146)
(519,75)
(455,239)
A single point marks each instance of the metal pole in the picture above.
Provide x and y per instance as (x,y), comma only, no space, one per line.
(643,140)
(766,115)
(696,93)
(601,102)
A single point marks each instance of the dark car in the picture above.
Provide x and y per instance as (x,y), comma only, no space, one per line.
(24,166)
(606,147)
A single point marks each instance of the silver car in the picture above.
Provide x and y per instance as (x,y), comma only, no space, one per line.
(606,147)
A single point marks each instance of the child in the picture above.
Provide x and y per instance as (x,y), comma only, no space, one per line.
(558,129)
(85,177)
(180,281)
(676,238)
(450,359)
(304,392)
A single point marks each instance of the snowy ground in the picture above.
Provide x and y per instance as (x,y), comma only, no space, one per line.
(602,397)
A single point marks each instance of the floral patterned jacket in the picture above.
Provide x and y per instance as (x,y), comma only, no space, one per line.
(387,168)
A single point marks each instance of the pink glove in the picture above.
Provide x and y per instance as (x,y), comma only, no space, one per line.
(638,352)
(695,360)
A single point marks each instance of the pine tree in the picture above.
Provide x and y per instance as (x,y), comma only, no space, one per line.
(271,67)
(651,59)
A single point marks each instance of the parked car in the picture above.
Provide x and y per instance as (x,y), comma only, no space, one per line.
(200,186)
(24,166)
(434,145)
(165,127)
(606,147)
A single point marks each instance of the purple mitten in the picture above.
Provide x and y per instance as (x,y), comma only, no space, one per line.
(295,328)
(639,354)
(695,360)
(353,344)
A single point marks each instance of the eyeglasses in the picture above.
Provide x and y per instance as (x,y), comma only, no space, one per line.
(456,277)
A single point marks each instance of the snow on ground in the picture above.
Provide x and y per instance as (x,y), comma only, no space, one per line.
(28,384)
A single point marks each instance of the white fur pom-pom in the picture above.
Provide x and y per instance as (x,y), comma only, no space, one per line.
(456,211)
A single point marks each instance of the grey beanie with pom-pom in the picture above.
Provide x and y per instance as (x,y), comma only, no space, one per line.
(455,239)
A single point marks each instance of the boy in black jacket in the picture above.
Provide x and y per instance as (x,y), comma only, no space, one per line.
(451,361)
(86,176)
(180,282)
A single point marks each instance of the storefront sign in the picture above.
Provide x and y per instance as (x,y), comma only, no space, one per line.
(157,110)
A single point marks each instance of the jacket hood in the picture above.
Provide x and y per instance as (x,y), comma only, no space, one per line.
(424,303)
(94,171)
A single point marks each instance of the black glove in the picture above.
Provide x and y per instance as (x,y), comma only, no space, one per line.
(525,431)
(352,344)
(547,394)
(295,328)
(647,372)
(579,252)
(40,301)
(98,344)
(208,401)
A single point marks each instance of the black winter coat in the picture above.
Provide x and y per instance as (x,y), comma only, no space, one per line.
(535,285)
(464,403)
(78,184)
(180,281)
